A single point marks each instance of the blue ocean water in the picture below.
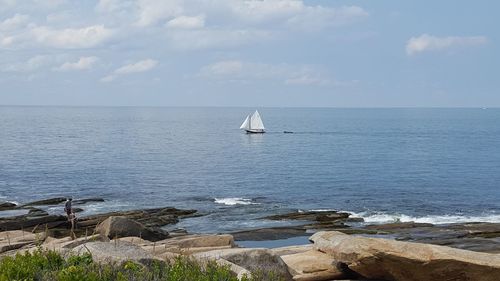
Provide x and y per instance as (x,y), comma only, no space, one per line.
(432,165)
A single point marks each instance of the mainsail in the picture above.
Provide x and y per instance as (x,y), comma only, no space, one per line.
(256,122)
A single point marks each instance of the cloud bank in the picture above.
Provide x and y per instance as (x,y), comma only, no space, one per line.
(427,43)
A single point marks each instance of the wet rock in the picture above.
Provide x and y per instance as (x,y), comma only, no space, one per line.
(77,210)
(398,226)
(37,213)
(50,201)
(88,200)
(7,206)
(115,227)
(319,216)
(27,222)
(148,217)
(271,233)
(404,261)
(482,237)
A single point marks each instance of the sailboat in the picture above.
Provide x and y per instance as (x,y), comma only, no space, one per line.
(253,124)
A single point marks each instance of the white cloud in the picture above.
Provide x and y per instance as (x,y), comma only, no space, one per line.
(425,42)
(151,12)
(240,71)
(70,38)
(112,6)
(318,17)
(208,38)
(265,11)
(30,65)
(185,22)
(83,63)
(140,66)
(14,22)
(306,79)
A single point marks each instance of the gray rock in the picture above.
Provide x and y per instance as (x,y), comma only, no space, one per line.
(116,227)
(116,251)
(255,260)
(50,201)
(7,206)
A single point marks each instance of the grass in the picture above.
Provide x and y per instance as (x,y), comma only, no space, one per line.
(50,265)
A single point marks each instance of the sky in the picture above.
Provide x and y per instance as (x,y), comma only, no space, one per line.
(282,53)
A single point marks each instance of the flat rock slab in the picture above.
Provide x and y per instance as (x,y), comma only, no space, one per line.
(270,233)
(289,250)
(405,261)
(50,201)
(28,221)
(319,216)
(195,241)
(16,239)
(312,265)
(116,251)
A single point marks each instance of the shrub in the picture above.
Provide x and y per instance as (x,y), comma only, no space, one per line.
(50,265)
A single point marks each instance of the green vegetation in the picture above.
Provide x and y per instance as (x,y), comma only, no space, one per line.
(49,265)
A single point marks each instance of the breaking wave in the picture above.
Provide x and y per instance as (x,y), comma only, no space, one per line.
(231,201)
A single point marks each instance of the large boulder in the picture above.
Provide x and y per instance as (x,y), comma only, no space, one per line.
(116,227)
(115,251)
(312,266)
(406,261)
(256,260)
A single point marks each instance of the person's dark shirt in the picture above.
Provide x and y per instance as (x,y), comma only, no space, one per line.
(67,206)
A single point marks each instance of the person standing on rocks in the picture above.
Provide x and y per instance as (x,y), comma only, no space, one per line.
(68,208)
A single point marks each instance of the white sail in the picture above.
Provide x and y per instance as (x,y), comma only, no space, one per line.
(256,122)
(246,123)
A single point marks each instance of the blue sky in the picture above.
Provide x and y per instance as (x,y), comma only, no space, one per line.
(372,53)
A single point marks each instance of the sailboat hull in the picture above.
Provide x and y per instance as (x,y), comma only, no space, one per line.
(255,131)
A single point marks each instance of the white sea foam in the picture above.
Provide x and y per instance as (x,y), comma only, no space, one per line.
(234,201)
(434,219)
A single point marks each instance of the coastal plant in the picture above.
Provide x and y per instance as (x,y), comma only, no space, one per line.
(41,265)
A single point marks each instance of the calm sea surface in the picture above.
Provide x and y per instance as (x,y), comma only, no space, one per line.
(429,165)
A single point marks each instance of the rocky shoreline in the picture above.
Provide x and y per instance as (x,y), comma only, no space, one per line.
(342,246)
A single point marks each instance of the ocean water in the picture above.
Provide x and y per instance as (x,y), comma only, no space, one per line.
(427,165)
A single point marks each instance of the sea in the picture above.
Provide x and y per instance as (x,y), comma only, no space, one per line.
(435,165)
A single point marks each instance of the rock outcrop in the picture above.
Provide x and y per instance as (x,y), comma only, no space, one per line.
(115,227)
(16,239)
(405,261)
(253,260)
(116,251)
(312,265)
(7,206)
